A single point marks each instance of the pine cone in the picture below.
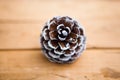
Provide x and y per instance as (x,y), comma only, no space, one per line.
(62,39)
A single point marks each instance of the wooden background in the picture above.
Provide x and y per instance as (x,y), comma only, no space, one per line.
(21,22)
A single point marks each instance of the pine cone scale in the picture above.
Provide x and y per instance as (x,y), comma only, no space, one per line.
(53,35)
(63,40)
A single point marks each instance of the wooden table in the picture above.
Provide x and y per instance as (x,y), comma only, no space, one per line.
(21,22)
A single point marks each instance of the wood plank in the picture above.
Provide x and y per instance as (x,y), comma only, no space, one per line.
(87,9)
(21,24)
(26,36)
(32,65)
(19,36)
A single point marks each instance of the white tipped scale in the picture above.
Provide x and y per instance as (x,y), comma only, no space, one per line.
(52,35)
(68,29)
(73,48)
(47,56)
(46,45)
(79,53)
(83,47)
(84,40)
(71,53)
(50,45)
(80,26)
(81,40)
(58,52)
(65,58)
(70,21)
(57,17)
(44,34)
(67,46)
(53,55)
(58,27)
(59,31)
(52,60)
(75,41)
(62,39)
(49,23)
(76,57)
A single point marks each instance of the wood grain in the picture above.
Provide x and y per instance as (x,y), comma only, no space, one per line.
(32,65)
(37,10)
(21,24)
(27,36)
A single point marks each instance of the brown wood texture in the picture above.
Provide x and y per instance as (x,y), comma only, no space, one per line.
(32,65)
(21,24)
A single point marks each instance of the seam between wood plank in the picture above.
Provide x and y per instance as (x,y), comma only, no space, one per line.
(35,49)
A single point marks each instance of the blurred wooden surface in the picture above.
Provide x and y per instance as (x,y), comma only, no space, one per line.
(21,22)
(32,65)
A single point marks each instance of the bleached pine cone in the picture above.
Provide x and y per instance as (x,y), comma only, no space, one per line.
(62,39)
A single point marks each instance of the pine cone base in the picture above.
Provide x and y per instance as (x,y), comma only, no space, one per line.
(62,39)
